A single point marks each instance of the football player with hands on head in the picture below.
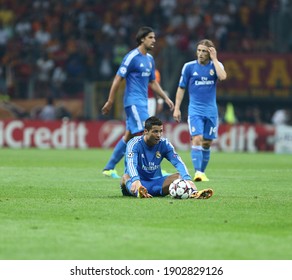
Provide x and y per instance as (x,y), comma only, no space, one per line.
(143,177)
(200,78)
(138,70)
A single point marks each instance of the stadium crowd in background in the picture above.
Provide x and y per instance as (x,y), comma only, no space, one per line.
(53,47)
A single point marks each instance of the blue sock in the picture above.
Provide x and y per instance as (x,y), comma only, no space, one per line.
(117,154)
(206,158)
(197,157)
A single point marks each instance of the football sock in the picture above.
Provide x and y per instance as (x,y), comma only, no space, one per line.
(206,158)
(117,155)
(197,157)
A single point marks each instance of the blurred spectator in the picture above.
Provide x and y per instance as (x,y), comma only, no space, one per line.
(48,112)
(88,38)
(106,67)
(22,72)
(3,87)
(44,67)
(58,79)
(281,116)
(42,36)
(4,37)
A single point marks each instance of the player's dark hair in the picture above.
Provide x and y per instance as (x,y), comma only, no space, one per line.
(142,33)
(151,122)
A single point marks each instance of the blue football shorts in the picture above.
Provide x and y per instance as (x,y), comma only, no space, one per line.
(154,187)
(199,125)
(135,118)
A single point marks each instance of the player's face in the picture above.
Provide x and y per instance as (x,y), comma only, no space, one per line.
(153,136)
(203,54)
(149,41)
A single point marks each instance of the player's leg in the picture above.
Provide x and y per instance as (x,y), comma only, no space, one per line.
(196,128)
(123,184)
(167,180)
(210,133)
(134,125)
(136,117)
(206,153)
(129,189)
(117,155)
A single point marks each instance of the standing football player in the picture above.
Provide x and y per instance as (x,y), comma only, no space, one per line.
(138,69)
(200,78)
(143,177)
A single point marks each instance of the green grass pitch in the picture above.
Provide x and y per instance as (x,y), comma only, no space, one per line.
(56,204)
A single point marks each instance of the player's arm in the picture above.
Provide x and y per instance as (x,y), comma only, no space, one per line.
(131,162)
(172,156)
(180,167)
(221,73)
(178,99)
(111,98)
(160,92)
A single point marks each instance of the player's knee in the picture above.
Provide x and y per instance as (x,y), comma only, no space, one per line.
(206,144)
(197,140)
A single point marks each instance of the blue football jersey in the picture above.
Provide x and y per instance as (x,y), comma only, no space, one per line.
(200,81)
(138,70)
(143,162)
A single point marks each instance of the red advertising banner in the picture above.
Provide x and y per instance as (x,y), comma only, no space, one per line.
(105,134)
(265,75)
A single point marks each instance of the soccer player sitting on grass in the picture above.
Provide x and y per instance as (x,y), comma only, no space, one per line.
(144,154)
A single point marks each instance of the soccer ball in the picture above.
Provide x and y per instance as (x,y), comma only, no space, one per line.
(180,189)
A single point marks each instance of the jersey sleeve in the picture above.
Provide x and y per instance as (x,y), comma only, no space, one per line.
(123,69)
(153,74)
(131,160)
(183,81)
(176,161)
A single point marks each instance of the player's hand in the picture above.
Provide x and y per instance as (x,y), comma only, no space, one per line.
(138,189)
(169,103)
(143,193)
(177,115)
(213,53)
(106,108)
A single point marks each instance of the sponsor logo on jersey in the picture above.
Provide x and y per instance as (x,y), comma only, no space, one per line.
(204,83)
(146,74)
